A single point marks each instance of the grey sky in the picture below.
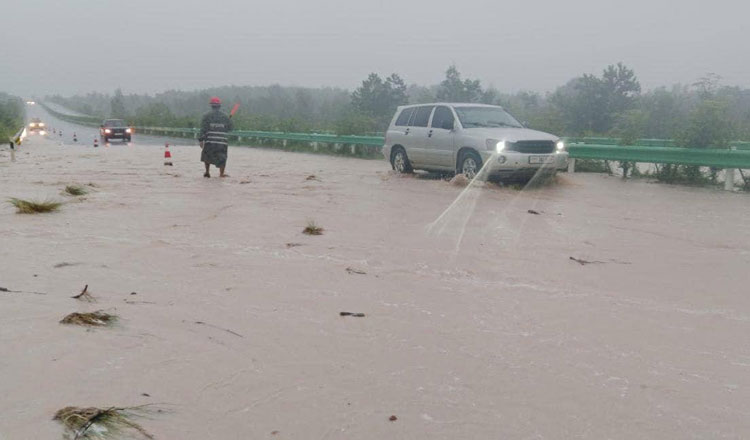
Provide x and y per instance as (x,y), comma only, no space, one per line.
(59,46)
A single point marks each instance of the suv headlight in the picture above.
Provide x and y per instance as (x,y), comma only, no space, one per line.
(560,146)
(496,145)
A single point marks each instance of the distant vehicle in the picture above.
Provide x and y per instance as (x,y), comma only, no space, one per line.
(115,129)
(462,138)
(37,126)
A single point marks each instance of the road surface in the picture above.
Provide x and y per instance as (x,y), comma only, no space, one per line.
(477,322)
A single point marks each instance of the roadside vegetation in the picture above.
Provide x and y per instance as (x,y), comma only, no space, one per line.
(12,114)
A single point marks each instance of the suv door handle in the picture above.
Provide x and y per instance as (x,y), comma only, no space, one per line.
(407,131)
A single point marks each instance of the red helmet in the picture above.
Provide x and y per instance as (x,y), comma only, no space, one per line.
(215,101)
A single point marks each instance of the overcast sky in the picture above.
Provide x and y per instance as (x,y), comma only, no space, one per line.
(74,46)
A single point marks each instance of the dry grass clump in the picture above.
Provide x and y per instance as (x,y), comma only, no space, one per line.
(34,206)
(97,423)
(312,229)
(76,190)
(94,319)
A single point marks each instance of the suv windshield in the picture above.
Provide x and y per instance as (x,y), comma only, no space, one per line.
(472,117)
(114,123)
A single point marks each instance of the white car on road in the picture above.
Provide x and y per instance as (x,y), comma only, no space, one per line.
(463,138)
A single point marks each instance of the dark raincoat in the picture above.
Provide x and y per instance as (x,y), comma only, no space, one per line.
(214,128)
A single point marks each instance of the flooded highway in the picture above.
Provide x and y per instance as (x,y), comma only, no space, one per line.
(591,308)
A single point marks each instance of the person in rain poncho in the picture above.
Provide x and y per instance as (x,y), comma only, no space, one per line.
(213,138)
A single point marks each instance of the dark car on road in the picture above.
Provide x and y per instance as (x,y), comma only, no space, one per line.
(115,129)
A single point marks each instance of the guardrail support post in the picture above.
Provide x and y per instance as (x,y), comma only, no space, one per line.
(354,149)
(729,179)
(314,146)
(572,165)
(283,142)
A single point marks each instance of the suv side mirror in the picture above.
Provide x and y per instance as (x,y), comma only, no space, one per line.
(447,125)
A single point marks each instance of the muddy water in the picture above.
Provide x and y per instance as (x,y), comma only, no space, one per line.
(480,328)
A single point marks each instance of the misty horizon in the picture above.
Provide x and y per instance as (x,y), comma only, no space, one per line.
(144,47)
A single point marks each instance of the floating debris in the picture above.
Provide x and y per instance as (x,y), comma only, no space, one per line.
(313,177)
(94,319)
(5,289)
(219,328)
(585,262)
(97,423)
(392,418)
(312,229)
(84,295)
(65,264)
(351,270)
(531,211)
(293,245)
(76,190)
(34,206)
(356,315)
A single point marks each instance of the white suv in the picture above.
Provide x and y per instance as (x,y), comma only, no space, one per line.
(464,138)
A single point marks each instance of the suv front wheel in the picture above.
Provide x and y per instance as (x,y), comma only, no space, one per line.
(401,161)
(470,164)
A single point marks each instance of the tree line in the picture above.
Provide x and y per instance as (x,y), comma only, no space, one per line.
(703,114)
(12,113)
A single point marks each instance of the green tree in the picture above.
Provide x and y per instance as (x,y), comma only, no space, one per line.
(620,87)
(12,112)
(379,98)
(117,105)
(709,126)
(591,104)
(455,89)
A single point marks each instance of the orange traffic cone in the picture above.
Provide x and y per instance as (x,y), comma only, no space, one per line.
(167,155)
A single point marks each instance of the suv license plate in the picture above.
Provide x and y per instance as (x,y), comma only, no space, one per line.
(537,160)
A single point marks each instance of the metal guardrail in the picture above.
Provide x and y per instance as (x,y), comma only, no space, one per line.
(739,145)
(239,135)
(727,159)
(659,151)
(668,155)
